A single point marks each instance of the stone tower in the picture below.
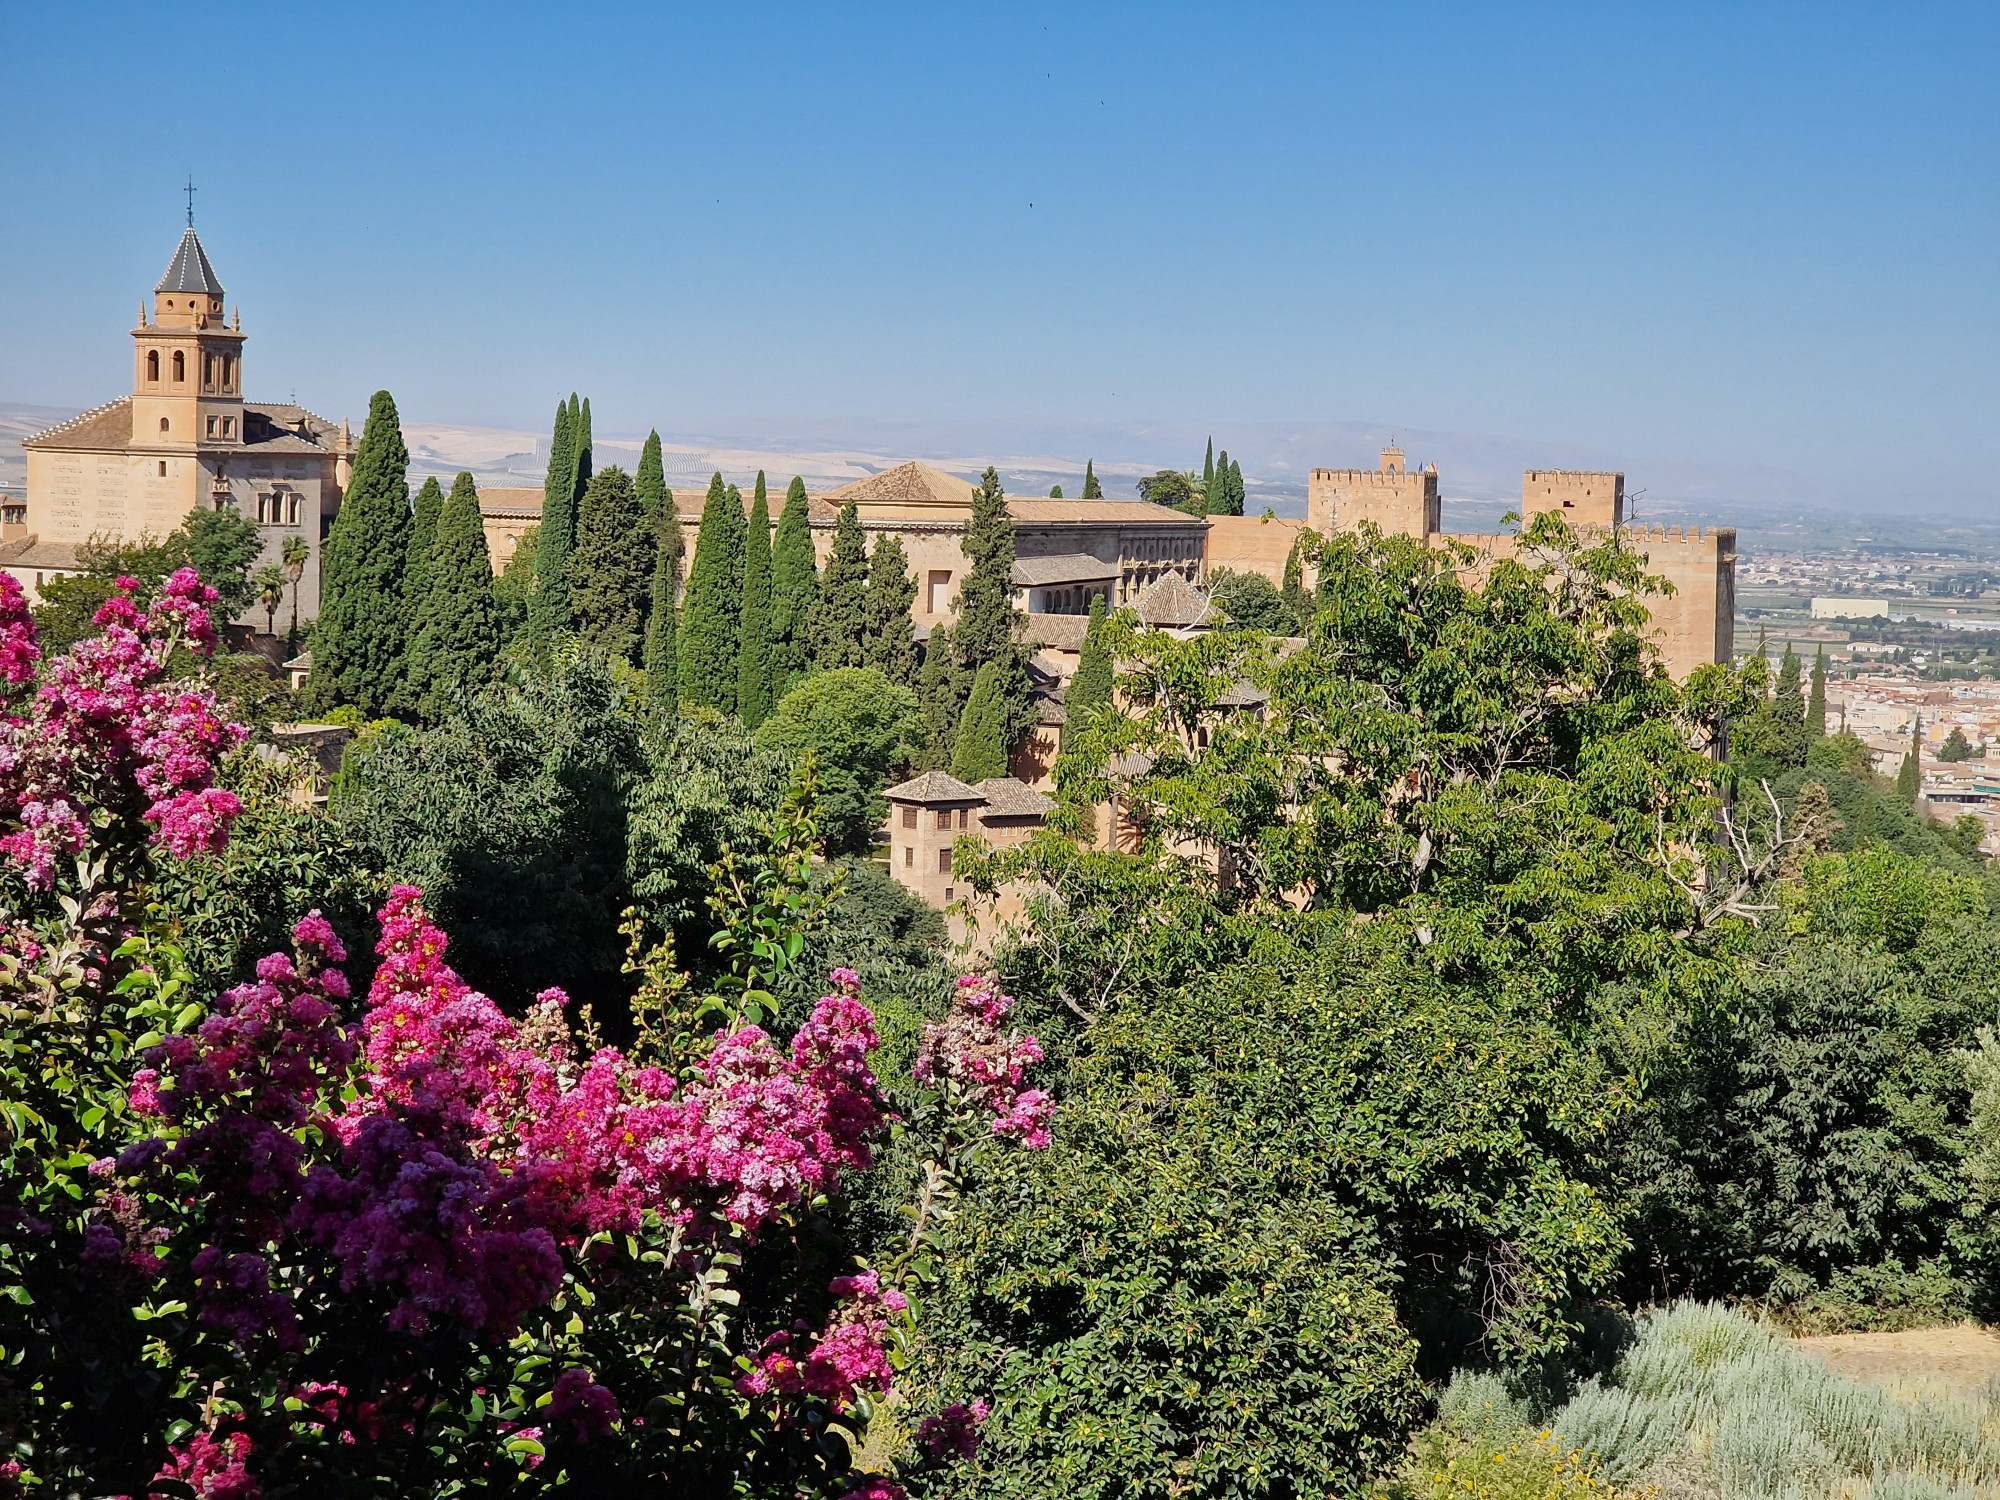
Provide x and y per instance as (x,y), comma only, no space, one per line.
(1399,502)
(1585,499)
(187,377)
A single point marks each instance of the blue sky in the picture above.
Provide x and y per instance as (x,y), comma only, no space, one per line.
(1743,234)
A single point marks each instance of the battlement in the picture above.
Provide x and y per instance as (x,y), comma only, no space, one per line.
(1594,497)
(1705,537)
(1376,476)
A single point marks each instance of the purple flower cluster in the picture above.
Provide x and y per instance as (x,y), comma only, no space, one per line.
(972,1057)
(851,1354)
(107,735)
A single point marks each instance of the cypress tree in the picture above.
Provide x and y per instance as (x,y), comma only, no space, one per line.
(934,693)
(984,631)
(794,593)
(1208,490)
(1816,704)
(611,567)
(1788,711)
(753,645)
(981,751)
(580,456)
(424,512)
(459,632)
(663,688)
(712,608)
(1910,775)
(358,645)
(1235,488)
(840,627)
(1090,687)
(1294,590)
(649,481)
(548,606)
(891,631)
(1091,489)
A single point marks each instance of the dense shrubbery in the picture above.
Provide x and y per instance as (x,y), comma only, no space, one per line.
(260,1242)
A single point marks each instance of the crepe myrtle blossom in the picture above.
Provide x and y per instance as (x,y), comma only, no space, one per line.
(106,734)
(973,1059)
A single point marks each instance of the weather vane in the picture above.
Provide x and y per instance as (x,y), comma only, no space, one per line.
(190,193)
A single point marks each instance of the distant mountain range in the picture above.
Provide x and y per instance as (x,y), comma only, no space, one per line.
(1772,509)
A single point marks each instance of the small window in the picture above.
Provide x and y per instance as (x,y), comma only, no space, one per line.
(963,814)
(163,468)
(211,427)
(180,364)
(153,364)
(291,510)
(944,861)
(944,817)
(163,424)
(228,371)
(229,427)
(940,591)
(909,855)
(947,893)
(208,372)
(909,817)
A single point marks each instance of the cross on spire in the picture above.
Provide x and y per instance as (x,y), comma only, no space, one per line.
(190,193)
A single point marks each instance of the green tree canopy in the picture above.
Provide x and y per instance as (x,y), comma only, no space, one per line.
(1253,602)
(1910,775)
(221,546)
(840,625)
(753,650)
(611,568)
(1788,711)
(548,603)
(980,751)
(712,608)
(794,592)
(1090,686)
(460,629)
(358,643)
(649,480)
(662,660)
(891,631)
(1955,747)
(1091,489)
(985,630)
(861,729)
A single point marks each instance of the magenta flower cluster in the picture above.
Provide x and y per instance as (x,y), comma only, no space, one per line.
(214,1468)
(850,1354)
(971,1056)
(107,733)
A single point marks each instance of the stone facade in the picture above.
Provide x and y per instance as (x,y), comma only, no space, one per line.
(929,814)
(185,437)
(1400,501)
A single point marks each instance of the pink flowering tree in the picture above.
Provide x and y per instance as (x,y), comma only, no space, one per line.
(296,1240)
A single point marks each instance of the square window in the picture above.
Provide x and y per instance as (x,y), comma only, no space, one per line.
(909,855)
(947,893)
(944,817)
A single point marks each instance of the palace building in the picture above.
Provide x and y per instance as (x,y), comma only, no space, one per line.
(185,437)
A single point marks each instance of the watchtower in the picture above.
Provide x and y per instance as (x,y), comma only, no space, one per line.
(1582,498)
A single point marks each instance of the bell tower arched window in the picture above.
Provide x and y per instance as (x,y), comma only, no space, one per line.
(153,364)
(180,367)
(163,424)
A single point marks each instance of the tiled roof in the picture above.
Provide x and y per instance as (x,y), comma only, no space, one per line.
(189,271)
(1063,632)
(1122,512)
(33,552)
(1010,797)
(273,427)
(1171,603)
(912,483)
(1066,567)
(511,502)
(933,786)
(106,426)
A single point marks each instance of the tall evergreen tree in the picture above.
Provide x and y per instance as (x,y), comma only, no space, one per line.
(1055,492)
(1236,496)
(580,455)
(1090,687)
(649,481)
(712,608)
(424,512)
(548,605)
(981,750)
(840,626)
(794,593)
(611,568)
(1910,775)
(1788,711)
(358,645)
(1816,704)
(1294,590)
(987,619)
(663,688)
(753,642)
(1209,492)
(459,630)
(1091,489)
(940,711)
(891,630)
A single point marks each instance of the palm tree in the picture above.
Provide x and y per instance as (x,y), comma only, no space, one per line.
(270,582)
(294,557)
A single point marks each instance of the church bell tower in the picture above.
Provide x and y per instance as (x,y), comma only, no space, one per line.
(187,383)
